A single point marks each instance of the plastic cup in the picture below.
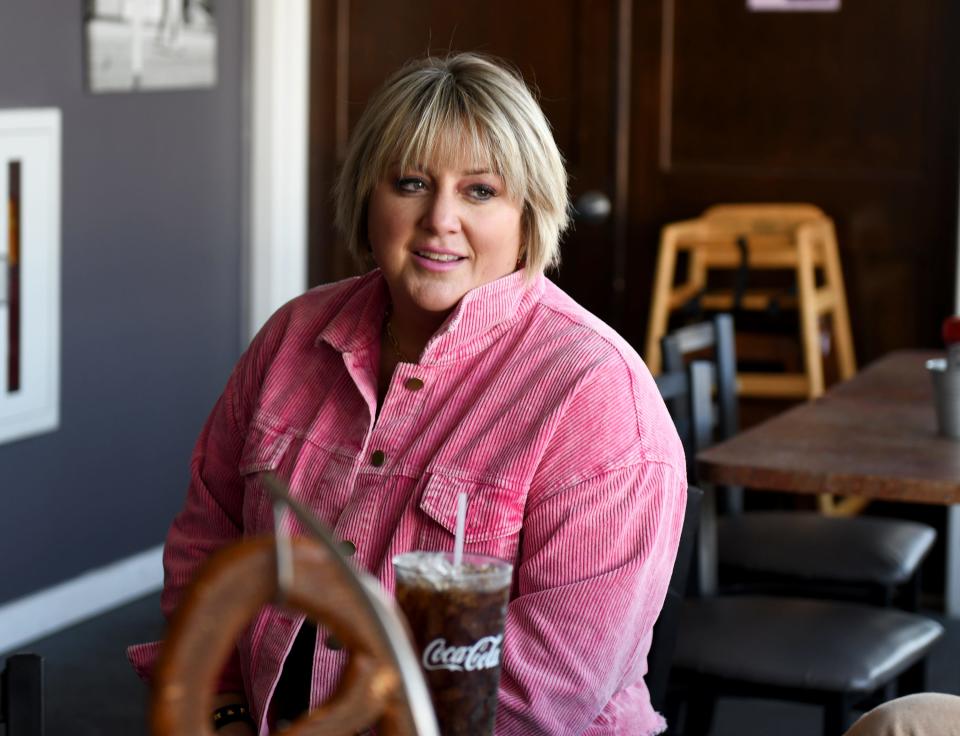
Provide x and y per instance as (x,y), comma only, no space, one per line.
(946,396)
(456,617)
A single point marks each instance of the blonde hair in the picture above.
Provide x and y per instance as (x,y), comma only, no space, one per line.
(430,111)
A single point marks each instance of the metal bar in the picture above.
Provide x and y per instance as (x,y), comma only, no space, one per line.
(284,552)
(951,593)
(707,555)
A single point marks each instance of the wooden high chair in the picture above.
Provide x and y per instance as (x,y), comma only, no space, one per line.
(759,237)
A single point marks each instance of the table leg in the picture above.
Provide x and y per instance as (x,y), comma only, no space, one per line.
(707,558)
(951,593)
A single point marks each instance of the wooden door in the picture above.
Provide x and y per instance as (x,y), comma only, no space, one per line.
(854,111)
(574,51)
(670,106)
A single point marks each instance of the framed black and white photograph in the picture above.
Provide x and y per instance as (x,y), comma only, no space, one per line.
(142,45)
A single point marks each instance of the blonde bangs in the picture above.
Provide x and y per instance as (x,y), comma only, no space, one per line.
(444,128)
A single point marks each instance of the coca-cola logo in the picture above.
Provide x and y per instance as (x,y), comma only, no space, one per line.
(482,655)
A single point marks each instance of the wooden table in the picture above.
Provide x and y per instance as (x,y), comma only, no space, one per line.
(874,435)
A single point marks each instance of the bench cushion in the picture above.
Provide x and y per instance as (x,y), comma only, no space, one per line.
(808,545)
(801,643)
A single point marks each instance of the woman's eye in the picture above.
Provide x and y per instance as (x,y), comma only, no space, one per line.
(411,184)
(482,191)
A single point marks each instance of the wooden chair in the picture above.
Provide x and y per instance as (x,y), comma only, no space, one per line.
(758,237)
(21,695)
(786,551)
(834,654)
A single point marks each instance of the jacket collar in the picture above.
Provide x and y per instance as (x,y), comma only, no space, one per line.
(482,314)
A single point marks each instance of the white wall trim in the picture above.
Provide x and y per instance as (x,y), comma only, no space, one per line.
(50,610)
(279,131)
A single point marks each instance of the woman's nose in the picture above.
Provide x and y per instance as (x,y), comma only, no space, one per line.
(442,213)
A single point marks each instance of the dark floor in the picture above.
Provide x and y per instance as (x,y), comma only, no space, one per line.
(90,689)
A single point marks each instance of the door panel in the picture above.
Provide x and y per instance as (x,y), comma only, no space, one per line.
(807,93)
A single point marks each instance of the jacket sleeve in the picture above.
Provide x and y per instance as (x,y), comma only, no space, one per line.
(593,572)
(212,515)
(598,544)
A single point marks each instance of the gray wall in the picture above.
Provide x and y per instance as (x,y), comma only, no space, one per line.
(151,297)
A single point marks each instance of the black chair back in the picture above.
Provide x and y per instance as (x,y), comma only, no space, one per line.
(21,695)
(713,343)
(689,343)
(660,657)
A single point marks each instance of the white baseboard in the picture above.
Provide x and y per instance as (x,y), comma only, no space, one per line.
(47,611)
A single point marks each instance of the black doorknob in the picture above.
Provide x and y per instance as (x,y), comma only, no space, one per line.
(592,206)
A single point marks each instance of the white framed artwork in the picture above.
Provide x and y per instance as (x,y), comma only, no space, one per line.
(142,45)
(30,266)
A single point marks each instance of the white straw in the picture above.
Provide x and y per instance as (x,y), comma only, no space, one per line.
(461,528)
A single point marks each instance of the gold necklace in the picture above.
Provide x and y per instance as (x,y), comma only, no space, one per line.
(392,339)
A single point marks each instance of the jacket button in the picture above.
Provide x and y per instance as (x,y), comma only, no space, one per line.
(377,458)
(413,384)
(332,643)
(348,548)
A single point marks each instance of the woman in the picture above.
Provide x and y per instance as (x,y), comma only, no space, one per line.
(453,366)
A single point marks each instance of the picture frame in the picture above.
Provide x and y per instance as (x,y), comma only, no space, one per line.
(145,45)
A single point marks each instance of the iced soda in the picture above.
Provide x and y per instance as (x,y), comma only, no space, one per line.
(456,616)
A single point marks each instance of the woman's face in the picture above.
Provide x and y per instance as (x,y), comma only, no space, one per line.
(438,233)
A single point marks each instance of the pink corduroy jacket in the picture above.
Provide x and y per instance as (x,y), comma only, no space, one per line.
(546,418)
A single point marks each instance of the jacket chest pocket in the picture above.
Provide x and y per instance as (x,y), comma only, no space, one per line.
(264,451)
(494,517)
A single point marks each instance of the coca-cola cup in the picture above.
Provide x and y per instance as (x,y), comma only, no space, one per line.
(456,615)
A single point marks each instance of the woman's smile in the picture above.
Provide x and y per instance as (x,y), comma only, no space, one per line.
(438,259)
